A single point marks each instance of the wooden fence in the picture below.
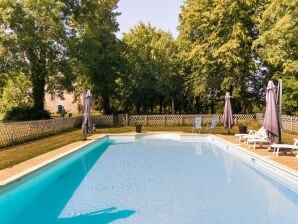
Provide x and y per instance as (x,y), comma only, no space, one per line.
(182,120)
(289,123)
(103,120)
(16,132)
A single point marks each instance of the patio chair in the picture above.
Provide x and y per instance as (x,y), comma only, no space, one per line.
(277,147)
(213,124)
(197,124)
(251,134)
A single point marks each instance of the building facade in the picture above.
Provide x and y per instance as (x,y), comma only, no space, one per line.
(54,103)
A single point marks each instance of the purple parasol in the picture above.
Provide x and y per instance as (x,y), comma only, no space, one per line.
(87,122)
(271,118)
(228,113)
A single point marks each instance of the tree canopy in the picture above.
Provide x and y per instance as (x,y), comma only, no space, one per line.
(33,42)
(216,38)
(223,45)
(153,80)
(277,46)
(95,47)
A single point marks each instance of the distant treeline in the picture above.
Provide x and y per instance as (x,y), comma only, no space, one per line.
(223,45)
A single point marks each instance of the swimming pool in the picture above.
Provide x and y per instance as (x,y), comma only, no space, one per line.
(149,179)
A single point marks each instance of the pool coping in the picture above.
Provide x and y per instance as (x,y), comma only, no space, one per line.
(19,171)
(273,169)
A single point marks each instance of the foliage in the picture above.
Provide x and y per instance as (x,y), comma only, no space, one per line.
(3,81)
(153,77)
(290,96)
(16,92)
(223,45)
(95,47)
(33,36)
(215,38)
(277,45)
(25,114)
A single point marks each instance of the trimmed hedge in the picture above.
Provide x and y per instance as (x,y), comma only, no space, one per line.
(25,114)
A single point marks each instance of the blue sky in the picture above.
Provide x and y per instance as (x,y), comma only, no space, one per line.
(160,13)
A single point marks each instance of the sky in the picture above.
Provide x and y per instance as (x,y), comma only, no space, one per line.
(162,14)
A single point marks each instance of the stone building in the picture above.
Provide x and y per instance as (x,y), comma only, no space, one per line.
(53,102)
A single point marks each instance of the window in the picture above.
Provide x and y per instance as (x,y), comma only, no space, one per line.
(52,96)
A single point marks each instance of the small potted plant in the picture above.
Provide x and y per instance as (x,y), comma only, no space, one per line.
(138,127)
(242,129)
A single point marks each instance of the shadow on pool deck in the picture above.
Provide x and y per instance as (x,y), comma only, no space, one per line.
(99,217)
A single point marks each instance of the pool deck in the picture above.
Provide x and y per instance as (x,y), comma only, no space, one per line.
(288,160)
(16,172)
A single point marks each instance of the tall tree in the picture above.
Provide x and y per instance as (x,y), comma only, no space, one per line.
(153,78)
(96,47)
(277,46)
(215,39)
(32,35)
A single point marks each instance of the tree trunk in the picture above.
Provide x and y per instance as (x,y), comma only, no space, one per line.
(106,105)
(145,108)
(173,105)
(189,104)
(38,92)
(179,107)
(138,107)
(160,105)
(212,107)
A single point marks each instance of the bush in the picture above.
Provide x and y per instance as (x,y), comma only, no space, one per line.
(25,114)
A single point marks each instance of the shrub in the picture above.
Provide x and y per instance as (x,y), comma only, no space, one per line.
(252,124)
(17,92)
(25,114)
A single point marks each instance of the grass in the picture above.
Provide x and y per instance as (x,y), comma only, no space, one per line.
(16,154)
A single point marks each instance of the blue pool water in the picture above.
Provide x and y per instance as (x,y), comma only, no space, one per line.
(149,181)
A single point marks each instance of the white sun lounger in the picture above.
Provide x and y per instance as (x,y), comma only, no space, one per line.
(251,134)
(277,147)
(254,141)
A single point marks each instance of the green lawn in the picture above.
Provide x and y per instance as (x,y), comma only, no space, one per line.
(16,154)
(19,153)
